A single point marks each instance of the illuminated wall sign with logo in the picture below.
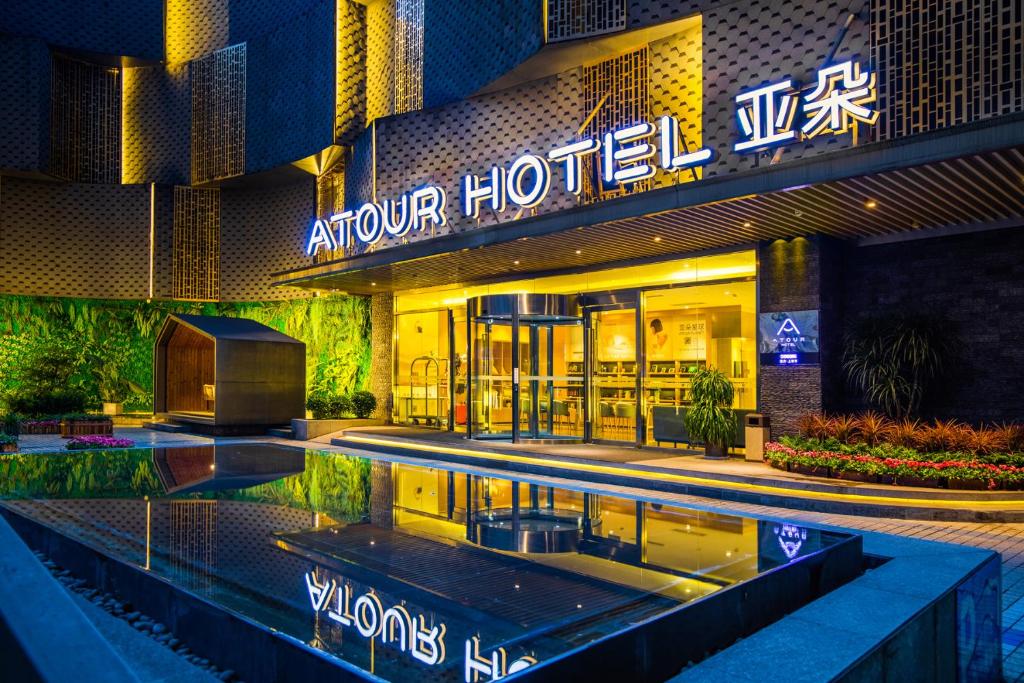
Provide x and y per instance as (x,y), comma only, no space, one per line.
(767,117)
(789,338)
(396,627)
(779,543)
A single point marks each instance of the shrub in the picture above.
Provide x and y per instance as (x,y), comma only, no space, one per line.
(363,404)
(7,439)
(905,433)
(942,436)
(844,428)
(815,426)
(1010,436)
(873,428)
(329,406)
(11,425)
(42,403)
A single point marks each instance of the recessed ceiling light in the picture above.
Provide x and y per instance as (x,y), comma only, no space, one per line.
(516,263)
(746,224)
(579,251)
(870,204)
(373,284)
(657,239)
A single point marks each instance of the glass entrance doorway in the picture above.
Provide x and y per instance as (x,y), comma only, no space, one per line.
(526,360)
(614,406)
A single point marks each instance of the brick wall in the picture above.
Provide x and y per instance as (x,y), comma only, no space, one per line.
(973,282)
(382,358)
(25,104)
(70,239)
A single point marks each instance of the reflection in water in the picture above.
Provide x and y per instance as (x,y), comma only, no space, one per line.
(402,570)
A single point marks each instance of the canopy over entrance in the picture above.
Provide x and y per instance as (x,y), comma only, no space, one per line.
(227,372)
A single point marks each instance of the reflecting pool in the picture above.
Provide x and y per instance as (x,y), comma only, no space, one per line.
(401,570)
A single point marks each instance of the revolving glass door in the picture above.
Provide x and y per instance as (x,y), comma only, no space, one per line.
(526,368)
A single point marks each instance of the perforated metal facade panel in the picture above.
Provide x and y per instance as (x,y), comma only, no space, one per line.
(408,55)
(350,72)
(945,63)
(85,121)
(196,261)
(218,114)
(616,94)
(571,19)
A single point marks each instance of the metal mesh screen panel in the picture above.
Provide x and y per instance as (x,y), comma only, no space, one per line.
(193,544)
(85,121)
(218,114)
(408,48)
(946,63)
(196,264)
(330,199)
(570,19)
(616,93)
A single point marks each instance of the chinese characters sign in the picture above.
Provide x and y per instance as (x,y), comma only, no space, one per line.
(768,116)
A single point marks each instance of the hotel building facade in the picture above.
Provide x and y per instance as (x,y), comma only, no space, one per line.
(560,210)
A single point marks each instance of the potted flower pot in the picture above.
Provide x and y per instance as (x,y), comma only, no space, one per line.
(715,452)
(9,447)
(851,475)
(958,484)
(113,408)
(810,470)
(920,482)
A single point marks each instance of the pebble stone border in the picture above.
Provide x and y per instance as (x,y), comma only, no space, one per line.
(140,622)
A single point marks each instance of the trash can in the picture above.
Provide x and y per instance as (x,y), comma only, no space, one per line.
(756,427)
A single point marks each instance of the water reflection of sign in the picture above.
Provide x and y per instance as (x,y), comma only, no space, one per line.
(780,543)
(395,626)
(789,337)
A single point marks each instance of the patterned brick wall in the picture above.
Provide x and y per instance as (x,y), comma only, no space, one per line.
(259,237)
(382,321)
(380,73)
(469,43)
(974,283)
(157,102)
(350,73)
(747,44)
(68,239)
(113,27)
(25,104)
(290,108)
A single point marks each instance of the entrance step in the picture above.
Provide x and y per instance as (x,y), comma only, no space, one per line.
(166,427)
(283,432)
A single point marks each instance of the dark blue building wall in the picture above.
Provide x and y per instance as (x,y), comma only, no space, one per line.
(134,28)
(249,19)
(24,104)
(290,89)
(469,43)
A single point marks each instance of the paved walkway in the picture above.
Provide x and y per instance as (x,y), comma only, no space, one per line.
(145,438)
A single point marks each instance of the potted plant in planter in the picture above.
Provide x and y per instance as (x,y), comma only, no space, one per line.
(710,417)
(8,443)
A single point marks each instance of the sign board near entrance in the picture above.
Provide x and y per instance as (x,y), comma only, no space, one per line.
(789,338)
(767,116)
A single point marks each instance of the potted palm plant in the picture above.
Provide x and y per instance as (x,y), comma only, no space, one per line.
(710,417)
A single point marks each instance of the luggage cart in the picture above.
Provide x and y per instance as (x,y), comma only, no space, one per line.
(419,402)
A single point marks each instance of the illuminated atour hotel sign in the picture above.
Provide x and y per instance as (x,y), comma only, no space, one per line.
(396,627)
(767,117)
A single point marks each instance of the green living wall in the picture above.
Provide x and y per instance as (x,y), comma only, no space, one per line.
(119,335)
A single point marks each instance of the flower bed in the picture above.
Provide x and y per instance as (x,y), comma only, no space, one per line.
(81,443)
(968,473)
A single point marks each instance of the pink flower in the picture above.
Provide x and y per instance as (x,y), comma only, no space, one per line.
(97,441)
